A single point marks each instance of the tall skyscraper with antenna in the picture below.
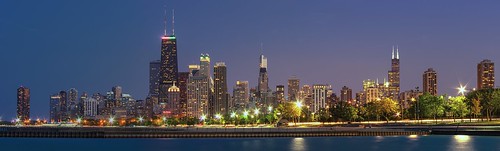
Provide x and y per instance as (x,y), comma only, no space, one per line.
(169,64)
(393,75)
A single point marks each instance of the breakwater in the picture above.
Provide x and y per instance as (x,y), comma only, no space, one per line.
(99,132)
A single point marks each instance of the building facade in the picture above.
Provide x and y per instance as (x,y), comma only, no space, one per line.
(23,104)
(393,74)
(346,94)
(485,74)
(319,97)
(293,88)
(221,100)
(429,79)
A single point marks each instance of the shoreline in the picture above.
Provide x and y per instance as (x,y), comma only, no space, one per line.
(155,132)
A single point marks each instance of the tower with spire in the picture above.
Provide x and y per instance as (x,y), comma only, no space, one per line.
(169,64)
(393,75)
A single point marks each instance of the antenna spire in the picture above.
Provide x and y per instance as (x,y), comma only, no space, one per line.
(165,21)
(397,52)
(392,52)
(261,48)
(173,21)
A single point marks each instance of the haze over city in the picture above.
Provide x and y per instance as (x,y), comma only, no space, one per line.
(93,46)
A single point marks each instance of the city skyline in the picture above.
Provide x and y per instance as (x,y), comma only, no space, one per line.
(248,69)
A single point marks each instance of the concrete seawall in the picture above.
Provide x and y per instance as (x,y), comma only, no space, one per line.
(191,133)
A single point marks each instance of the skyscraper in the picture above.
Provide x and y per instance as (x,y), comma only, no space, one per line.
(90,106)
(73,110)
(183,79)
(241,94)
(169,64)
(23,104)
(263,85)
(63,105)
(117,96)
(319,97)
(55,108)
(173,101)
(220,89)
(280,93)
(485,74)
(393,75)
(430,81)
(199,88)
(346,94)
(293,88)
(154,78)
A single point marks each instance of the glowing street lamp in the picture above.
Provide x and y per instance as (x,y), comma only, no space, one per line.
(462,89)
(111,120)
(140,119)
(78,120)
(245,114)
(233,115)
(256,111)
(203,117)
(270,109)
(218,116)
(298,104)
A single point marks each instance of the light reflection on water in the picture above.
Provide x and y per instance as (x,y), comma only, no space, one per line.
(381,143)
(461,142)
(298,144)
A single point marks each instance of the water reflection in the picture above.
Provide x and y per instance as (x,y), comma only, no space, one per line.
(413,137)
(461,142)
(298,144)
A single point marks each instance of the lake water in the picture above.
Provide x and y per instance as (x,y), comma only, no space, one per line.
(427,143)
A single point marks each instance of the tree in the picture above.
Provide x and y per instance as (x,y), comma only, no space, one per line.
(323,115)
(385,108)
(457,106)
(431,106)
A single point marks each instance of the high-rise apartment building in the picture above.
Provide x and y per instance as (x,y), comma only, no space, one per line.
(241,94)
(346,94)
(220,89)
(23,104)
(280,94)
(430,81)
(485,74)
(319,97)
(293,88)
(154,78)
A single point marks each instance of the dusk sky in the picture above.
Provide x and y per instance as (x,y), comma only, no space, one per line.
(94,45)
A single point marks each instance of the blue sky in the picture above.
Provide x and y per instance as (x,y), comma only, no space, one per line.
(93,45)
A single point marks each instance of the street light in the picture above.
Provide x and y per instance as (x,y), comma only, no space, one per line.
(298,104)
(462,89)
(245,113)
(270,109)
(140,119)
(256,111)
(111,120)
(233,115)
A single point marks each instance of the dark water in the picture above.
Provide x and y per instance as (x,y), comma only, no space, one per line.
(428,143)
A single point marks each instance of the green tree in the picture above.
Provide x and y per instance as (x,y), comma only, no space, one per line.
(323,115)
(385,108)
(457,107)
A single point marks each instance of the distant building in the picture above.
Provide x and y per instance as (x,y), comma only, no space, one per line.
(293,88)
(280,94)
(117,95)
(73,110)
(430,82)
(63,105)
(393,74)
(23,104)
(173,109)
(409,97)
(169,65)
(55,108)
(485,74)
(319,97)
(90,108)
(346,94)
(263,85)
(183,79)
(154,78)
(199,88)
(241,95)
(220,89)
